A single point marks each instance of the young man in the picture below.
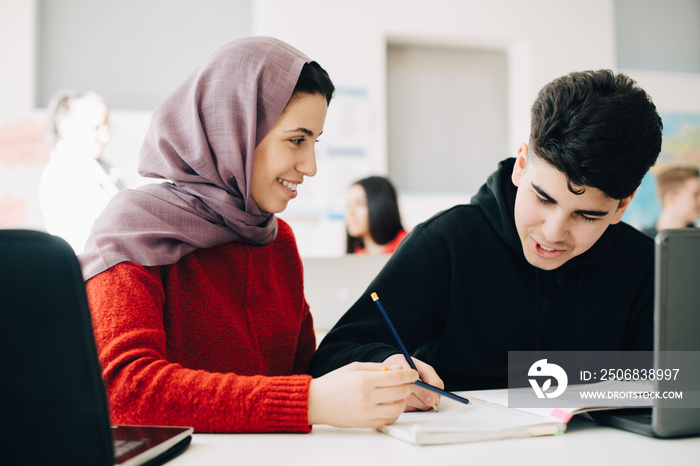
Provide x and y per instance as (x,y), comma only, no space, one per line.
(538,261)
(679,193)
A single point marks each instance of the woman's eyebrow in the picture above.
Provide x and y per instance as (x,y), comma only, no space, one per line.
(308,132)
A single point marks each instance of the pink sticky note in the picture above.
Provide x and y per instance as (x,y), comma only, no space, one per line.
(563,415)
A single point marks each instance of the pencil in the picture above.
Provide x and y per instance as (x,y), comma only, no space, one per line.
(397,339)
(394,334)
(404,351)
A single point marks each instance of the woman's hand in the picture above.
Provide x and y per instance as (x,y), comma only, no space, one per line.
(420,398)
(361,395)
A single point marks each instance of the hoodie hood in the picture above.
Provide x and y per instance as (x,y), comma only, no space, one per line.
(496,199)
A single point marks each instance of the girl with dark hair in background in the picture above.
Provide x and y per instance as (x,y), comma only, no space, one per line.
(373,219)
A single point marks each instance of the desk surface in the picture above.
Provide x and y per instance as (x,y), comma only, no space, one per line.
(585,443)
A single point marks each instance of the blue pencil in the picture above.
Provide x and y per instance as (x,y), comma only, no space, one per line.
(404,351)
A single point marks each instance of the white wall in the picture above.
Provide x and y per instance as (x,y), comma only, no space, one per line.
(22,150)
(543,39)
(672,44)
(16,58)
(671,92)
(447,117)
(132,52)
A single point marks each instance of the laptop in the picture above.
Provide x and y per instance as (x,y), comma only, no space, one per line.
(333,284)
(676,341)
(54,404)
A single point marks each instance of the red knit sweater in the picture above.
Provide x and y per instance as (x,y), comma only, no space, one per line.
(211,342)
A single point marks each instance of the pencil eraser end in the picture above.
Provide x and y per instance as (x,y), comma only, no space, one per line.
(374,296)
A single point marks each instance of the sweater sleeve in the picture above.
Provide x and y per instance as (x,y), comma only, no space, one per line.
(143,387)
(306,343)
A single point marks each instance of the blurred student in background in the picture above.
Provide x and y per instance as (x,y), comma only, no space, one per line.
(76,184)
(679,193)
(373,219)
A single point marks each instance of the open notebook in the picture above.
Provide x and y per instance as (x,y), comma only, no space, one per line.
(54,407)
(488,417)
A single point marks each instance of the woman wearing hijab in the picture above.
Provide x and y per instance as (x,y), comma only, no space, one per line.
(195,286)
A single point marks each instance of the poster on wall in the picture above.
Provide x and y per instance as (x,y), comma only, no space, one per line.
(680,147)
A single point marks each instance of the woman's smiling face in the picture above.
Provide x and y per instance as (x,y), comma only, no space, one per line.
(287,152)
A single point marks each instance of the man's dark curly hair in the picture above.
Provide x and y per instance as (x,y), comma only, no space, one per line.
(599,128)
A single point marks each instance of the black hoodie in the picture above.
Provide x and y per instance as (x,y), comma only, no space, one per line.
(461,295)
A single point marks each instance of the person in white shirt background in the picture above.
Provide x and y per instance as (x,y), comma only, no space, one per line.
(76,185)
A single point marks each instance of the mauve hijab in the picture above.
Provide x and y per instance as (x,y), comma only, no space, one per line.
(201,139)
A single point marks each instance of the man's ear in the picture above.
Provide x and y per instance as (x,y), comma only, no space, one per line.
(520,162)
(624,203)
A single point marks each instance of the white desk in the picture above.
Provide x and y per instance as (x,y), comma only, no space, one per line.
(585,443)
